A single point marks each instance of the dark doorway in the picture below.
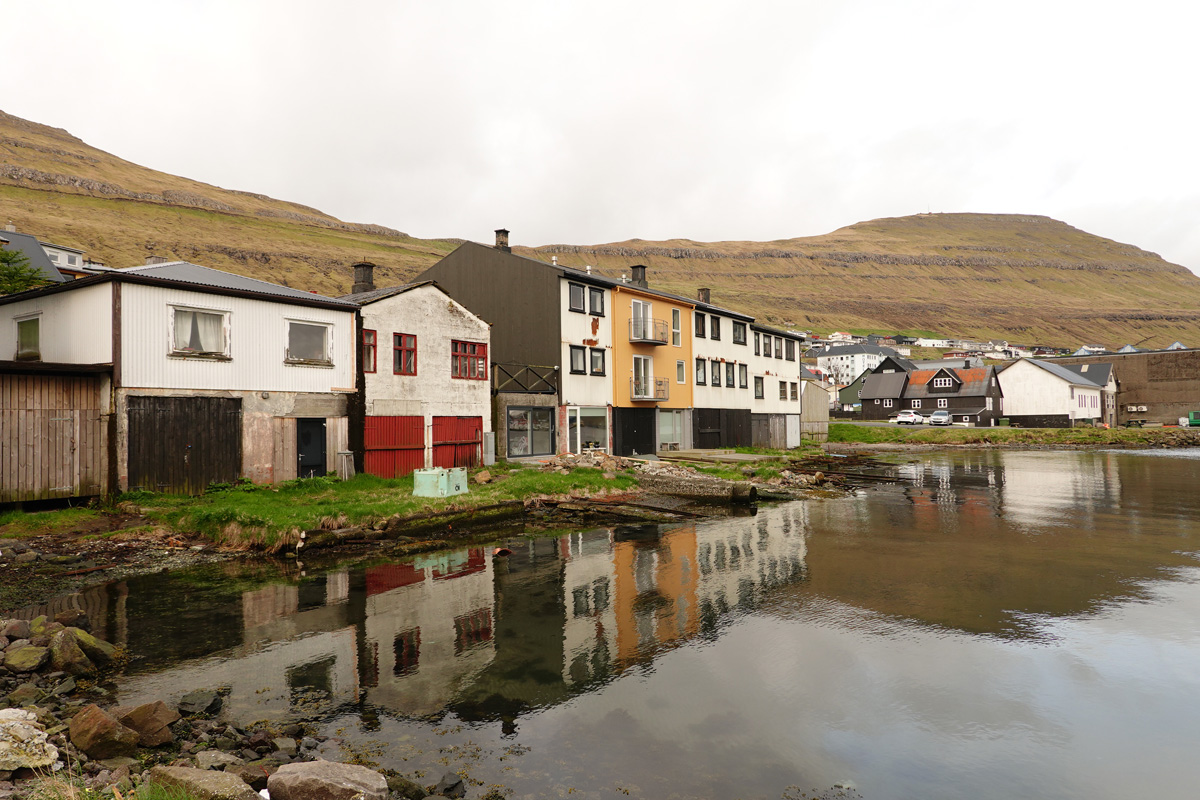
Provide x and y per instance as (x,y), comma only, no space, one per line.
(182,444)
(310,447)
(633,431)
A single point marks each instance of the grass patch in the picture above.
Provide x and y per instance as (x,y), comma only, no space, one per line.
(263,517)
(1115,437)
(20,524)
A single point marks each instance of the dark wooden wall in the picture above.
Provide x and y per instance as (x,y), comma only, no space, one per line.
(182,444)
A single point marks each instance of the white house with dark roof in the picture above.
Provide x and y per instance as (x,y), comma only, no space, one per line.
(424,389)
(844,363)
(1043,394)
(174,376)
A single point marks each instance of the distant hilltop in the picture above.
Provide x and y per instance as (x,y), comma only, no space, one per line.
(983,276)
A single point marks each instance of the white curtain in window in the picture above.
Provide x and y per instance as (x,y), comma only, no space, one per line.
(199,332)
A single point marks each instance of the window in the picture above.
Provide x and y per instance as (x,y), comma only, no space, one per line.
(680,372)
(783,390)
(943,383)
(989,404)
(739,333)
(876,402)
(578,360)
(369,340)
(757,350)
(916,403)
(779,347)
(790,350)
(72,260)
(404,348)
(729,374)
(468,360)
(597,361)
(701,372)
(676,327)
(203,333)
(714,373)
(714,328)
(758,387)
(795,391)
(743,376)
(596,301)
(575,299)
(642,323)
(308,343)
(943,403)
(29,339)
(699,324)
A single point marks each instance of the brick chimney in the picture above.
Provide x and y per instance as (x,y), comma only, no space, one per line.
(364,277)
(502,240)
(704,295)
(639,275)
(152,260)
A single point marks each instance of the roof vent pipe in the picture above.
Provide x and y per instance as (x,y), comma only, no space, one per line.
(623,278)
(554,260)
(587,268)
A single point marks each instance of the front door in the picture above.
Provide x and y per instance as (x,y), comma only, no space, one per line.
(310,447)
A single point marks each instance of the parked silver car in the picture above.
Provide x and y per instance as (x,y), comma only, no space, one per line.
(939,417)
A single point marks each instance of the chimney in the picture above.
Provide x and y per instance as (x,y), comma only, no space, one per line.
(152,260)
(704,295)
(10,227)
(639,276)
(364,277)
(967,364)
(502,240)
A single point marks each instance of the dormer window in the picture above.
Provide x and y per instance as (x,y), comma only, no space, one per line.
(943,383)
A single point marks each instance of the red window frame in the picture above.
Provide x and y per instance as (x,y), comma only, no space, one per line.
(403,343)
(370,341)
(468,360)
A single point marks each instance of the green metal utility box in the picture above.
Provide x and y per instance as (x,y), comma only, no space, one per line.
(439,482)
(1193,419)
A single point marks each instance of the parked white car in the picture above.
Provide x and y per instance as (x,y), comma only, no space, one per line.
(908,417)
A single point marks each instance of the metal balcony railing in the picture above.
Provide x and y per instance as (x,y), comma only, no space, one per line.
(655,389)
(647,331)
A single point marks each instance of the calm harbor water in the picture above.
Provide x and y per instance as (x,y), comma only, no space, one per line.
(996,625)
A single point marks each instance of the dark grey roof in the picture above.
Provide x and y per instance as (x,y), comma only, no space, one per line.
(185,272)
(363,298)
(884,385)
(1068,373)
(807,374)
(1096,373)
(29,245)
(777,332)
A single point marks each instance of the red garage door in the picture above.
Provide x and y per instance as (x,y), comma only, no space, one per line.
(395,446)
(457,441)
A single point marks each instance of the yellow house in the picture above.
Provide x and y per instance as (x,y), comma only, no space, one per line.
(652,383)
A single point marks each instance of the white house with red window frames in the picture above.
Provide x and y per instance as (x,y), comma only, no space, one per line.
(424,389)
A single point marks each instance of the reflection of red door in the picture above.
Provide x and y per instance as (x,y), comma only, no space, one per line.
(457,441)
(395,446)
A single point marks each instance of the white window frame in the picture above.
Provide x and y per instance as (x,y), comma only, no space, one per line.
(29,355)
(176,351)
(887,402)
(290,360)
(943,402)
(677,328)
(681,372)
(943,383)
(916,403)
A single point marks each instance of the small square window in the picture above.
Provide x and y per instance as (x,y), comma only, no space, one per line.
(597,355)
(596,301)
(943,403)
(307,343)
(575,299)
(578,360)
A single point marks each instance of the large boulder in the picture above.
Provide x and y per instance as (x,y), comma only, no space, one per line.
(99,651)
(100,735)
(66,656)
(326,780)
(152,722)
(26,659)
(16,629)
(23,742)
(202,784)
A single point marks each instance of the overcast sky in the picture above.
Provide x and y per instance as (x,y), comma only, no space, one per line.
(588,123)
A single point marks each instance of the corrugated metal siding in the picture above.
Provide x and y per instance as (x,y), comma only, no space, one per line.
(258,335)
(394,446)
(51,438)
(457,441)
(76,326)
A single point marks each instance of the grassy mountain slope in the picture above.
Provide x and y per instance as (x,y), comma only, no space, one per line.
(1030,279)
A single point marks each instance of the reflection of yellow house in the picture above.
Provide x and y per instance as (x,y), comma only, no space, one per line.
(652,376)
(655,593)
